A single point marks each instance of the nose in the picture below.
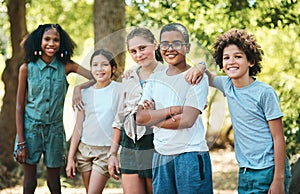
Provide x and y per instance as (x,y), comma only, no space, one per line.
(170,47)
(231,60)
(139,53)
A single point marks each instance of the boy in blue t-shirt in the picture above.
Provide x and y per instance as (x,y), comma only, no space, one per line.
(255,113)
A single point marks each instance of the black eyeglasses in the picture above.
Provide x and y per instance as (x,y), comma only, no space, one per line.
(175,45)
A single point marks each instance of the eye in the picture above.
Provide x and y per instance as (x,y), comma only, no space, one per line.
(105,64)
(141,48)
(133,51)
(225,58)
(56,40)
(177,43)
(46,38)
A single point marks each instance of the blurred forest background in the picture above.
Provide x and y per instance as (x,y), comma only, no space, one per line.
(104,23)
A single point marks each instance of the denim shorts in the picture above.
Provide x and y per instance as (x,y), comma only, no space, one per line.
(188,172)
(259,180)
(48,140)
(90,157)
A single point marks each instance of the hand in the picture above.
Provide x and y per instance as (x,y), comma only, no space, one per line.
(22,155)
(77,103)
(71,169)
(127,73)
(195,74)
(113,167)
(277,187)
(149,104)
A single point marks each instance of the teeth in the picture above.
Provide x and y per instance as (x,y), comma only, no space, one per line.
(232,68)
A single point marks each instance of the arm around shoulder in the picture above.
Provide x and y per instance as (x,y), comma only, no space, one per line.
(76,68)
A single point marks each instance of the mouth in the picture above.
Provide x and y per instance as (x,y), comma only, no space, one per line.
(51,50)
(232,68)
(171,55)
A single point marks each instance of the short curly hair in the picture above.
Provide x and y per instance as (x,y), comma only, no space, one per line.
(246,42)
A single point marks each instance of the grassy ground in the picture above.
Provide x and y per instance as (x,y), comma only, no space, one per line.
(224,168)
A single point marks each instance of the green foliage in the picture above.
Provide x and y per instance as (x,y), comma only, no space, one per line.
(76,17)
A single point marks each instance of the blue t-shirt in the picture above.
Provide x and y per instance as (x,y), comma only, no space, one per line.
(251,108)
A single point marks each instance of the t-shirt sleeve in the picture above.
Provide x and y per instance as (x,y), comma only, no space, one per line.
(197,95)
(270,104)
(219,83)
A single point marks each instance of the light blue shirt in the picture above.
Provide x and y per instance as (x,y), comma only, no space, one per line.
(251,108)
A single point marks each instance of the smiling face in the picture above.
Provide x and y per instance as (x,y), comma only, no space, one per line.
(101,69)
(172,56)
(142,51)
(50,44)
(235,63)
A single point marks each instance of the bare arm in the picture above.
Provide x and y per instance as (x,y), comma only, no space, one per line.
(276,128)
(211,78)
(76,68)
(71,169)
(113,162)
(181,121)
(20,107)
(174,117)
(77,98)
(73,67)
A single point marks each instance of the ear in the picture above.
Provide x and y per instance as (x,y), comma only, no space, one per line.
(155,45)
(188,47)
(114,69)
(251,64)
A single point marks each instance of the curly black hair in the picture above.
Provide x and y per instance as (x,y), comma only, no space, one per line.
(32,44)
(246,42)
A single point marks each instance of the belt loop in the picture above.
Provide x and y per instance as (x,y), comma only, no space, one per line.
(245,169)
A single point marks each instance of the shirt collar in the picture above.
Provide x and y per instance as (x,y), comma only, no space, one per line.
(42,65)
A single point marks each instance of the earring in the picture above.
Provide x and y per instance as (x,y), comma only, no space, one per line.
(62,54)
(35,53)
(40,53)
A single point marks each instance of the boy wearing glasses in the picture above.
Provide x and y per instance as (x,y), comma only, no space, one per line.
(168,105)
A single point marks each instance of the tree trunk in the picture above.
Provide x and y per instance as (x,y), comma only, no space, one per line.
(16,12)
(109,28)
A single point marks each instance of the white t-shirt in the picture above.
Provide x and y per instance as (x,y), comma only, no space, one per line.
(169,91)
(100,110)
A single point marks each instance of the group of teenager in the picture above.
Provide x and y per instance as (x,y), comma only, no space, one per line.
(154,115)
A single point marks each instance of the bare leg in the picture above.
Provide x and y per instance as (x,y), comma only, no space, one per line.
(149,185)
(97,182)
(86,179)
(53,180)
(30,180)
(133,184)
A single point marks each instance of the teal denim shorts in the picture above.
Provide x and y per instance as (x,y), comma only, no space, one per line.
(45,139)
(259,180)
